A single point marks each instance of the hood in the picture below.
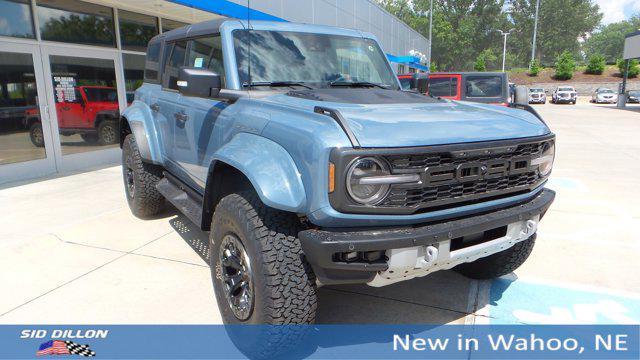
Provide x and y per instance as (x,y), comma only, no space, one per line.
(433,122)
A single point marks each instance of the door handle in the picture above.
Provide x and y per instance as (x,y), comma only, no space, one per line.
(154,107)
(66,108)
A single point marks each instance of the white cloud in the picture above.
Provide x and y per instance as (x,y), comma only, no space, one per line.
(618,10)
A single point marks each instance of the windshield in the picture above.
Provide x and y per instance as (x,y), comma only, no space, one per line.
(565,89)
(536,90)
(634,93)
(313,59)
(101,94)
(605,91)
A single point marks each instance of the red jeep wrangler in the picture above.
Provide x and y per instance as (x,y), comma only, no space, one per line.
(483,87)
(93,113)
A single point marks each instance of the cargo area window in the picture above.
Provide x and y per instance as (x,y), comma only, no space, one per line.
(152,63)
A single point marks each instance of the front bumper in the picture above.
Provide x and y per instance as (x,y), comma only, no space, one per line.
(321,246)
(565,100)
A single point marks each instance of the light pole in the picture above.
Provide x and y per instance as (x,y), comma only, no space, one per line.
(535,33)
(430,27)
(504,48)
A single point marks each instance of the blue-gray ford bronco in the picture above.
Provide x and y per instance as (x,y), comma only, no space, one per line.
(296,148)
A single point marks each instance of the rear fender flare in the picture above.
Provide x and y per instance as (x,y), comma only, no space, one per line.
(270,169)
(140,120)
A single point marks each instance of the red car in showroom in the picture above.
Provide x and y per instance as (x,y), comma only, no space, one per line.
(483,87)
(92,112)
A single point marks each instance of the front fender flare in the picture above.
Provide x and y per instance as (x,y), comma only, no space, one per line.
(270,169)
(140,120)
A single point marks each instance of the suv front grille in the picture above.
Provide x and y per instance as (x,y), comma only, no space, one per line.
(452,178)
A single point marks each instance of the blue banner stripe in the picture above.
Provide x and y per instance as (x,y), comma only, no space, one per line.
(332,341)
(228,9)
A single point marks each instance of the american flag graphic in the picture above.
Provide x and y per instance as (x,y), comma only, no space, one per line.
(60,347)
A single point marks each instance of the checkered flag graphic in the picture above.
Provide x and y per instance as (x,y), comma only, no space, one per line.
(77,349)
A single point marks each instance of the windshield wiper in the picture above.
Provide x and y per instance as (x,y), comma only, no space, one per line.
(278,84)
(358,84)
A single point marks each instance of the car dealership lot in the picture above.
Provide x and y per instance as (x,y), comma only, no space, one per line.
(71,252)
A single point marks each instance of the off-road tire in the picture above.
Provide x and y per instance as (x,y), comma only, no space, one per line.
(498,264)
(90,138)
(108,132)
(144,200)
(36,135)
(284,286)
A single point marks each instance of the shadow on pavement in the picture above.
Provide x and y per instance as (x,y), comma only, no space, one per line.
(439,298)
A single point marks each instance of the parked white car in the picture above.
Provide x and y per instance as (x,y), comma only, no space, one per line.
(604,95)
(537,96)
(564,94)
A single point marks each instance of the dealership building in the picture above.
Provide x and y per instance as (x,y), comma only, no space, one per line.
(68,66)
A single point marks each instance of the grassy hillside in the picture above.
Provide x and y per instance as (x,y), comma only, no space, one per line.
(520,76)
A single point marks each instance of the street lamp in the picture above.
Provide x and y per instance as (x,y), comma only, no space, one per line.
(504,48)
(430,27)
(535,33)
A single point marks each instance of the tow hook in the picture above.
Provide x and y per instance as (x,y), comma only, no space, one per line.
(430,256)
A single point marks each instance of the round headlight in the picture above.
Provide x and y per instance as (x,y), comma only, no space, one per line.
(546,160)
(363,191)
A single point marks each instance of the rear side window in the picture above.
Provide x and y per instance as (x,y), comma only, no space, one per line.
(443,86)
(152,63)
(206,52)
(172,66)
(483,86)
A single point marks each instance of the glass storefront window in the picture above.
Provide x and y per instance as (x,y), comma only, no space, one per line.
(76,22)
(21,136)
(168,25)
(133,73)
(16,19)
(136,30)
(86,99)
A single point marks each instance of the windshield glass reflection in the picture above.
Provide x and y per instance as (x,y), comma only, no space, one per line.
(312,59)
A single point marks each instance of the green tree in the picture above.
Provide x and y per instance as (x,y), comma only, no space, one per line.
(534,68)
(565,66)
(560,24)
(596,64)
(480,65)
(634,67)
(609,39)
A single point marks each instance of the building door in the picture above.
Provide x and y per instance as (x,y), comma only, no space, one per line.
(26,137)
(85,89)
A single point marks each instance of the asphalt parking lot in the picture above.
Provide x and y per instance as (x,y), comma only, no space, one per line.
(71,252)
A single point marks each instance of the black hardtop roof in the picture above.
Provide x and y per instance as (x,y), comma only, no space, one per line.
(193,30)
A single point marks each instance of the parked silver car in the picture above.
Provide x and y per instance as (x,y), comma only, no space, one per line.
(537,96)
(604,96)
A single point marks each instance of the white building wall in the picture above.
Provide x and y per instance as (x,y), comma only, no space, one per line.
(396,37)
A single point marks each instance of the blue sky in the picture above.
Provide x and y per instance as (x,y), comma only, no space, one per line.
(617,10)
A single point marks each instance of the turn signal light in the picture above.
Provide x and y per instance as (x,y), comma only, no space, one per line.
(332,177)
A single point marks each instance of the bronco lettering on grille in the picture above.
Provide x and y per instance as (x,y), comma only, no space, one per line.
(474,171)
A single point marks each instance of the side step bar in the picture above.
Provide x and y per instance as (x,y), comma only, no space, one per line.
(182,197)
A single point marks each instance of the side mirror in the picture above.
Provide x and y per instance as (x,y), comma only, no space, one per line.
(419,82)
(199,82)
(522,95)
